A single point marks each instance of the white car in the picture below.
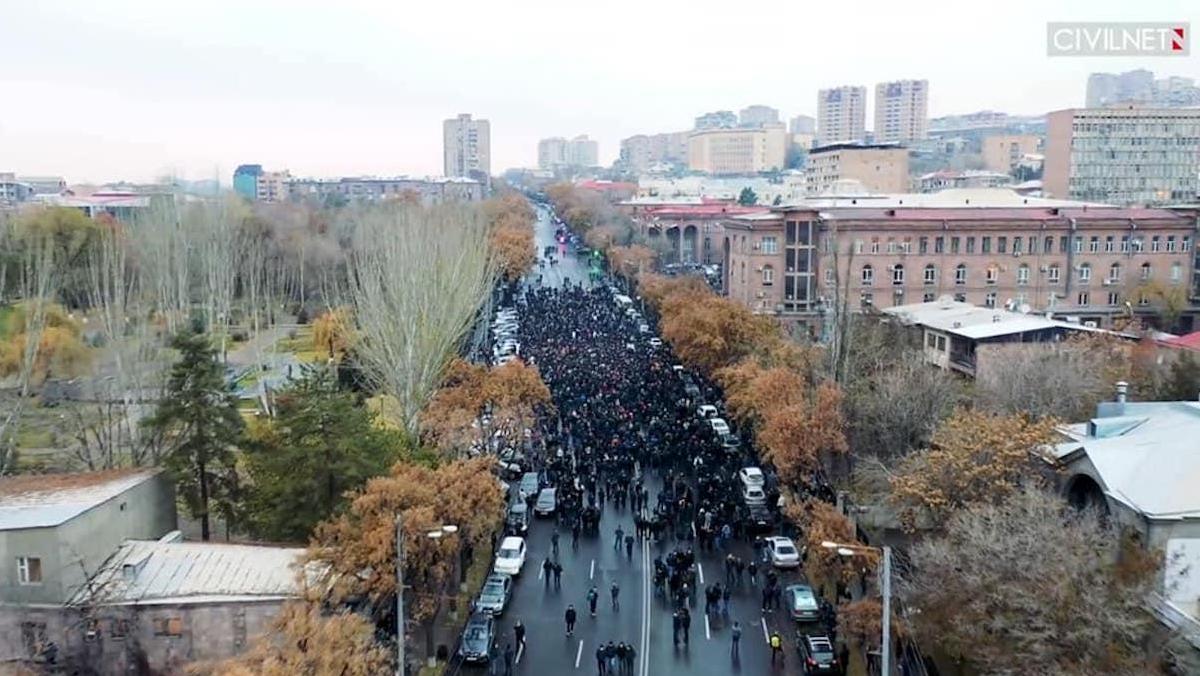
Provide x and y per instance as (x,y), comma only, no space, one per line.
(754,495)
(511,557)
(719,426)
(656,342)
(643,328)
(707,411)
(783,552)
(751,476)
(504,359)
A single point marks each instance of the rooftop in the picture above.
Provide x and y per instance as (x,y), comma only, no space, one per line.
(855,146)
(974,322)
(1190,341)
(707,210)
(1146,455)
(969,203)
(148,571)
(48,500)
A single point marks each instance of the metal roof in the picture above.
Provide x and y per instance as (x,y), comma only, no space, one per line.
(975,322)
(157,572)
(45,501)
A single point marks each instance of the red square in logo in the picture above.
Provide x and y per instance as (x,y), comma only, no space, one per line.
(1177,45)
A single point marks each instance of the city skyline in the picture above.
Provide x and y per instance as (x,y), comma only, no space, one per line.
(325,92)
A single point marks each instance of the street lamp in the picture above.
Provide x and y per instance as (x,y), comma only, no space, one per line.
(448,529)
(885,574)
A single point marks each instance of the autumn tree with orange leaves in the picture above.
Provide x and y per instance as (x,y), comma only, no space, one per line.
(511,219)
(804,436)
(974,458)
(508,393)
(357,549)
(632,260)
(821,522)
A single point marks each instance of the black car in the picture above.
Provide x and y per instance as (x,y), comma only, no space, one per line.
(477,639)
(758,519)
(817,653)
(516,522)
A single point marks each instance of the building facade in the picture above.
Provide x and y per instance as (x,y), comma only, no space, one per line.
(641,152)
(719,119)
(245,180)
(467,148)
(272,186)
(1129,155)
(552,153)
(738,151)
(841,115)
(1003,153)
(879,168)
(13,191)
(986,247)
(901,111)
(1140,87)
(970,178)
(427,191)
(758,116)
(803,124)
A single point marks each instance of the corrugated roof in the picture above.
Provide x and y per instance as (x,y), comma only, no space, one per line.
(144,571)
(47,500)
(1190,341)
(975,322)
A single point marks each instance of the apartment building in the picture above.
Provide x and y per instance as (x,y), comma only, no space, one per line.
(1128,155)
(879,168)
(758,116)
(1003,153)
(841,115)
(272,186)
(1141,87)
(245,180)
(427,191)
(643,151)
(467,147)
(718,119)
(992,248)
(803,124)
(738,151)
(552,152)
(901,111)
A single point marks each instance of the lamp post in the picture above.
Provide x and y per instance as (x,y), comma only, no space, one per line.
(885,575)
(435,534)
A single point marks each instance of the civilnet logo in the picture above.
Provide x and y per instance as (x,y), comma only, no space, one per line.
(1118,39)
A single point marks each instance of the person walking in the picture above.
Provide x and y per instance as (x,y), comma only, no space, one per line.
(629,547)
(569,617)
(776,647)
(519,633)
(619,539)
(735,635)
(547,570)
(676,626)
(686,623)
(554,542)
(615,590)
(508,659)
(601,660)
(752,568)
(592,597)
(630,656)
(558,575)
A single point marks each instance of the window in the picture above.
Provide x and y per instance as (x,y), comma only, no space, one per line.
(898,275)
(168,626)
(960,274)
(1114,298)
(828,276)
(923,245)
(986,245)
(1078,245)
(993,274)
(939,244)
(1139,245)
(33,635)
(1094,244)
(1145,276)
(858,246)
(1052,273)
(119,628)
(1186,244)
(1048,245)
(931,341)
(1176,271)
(874,245)
(930,274)
(970,245)
(1170,242)
(1125,244)
(990,299)
(891,245)
(1083,298)
(1001,245)
(1114,273)
(29,570)
(770,245)
(1155,244)
(906,245)
(1018,244)
(1022,275)
(1085,273)
(1108,244)
(866,299)
(954,241)
(768,275)
(927,297)
(868,275)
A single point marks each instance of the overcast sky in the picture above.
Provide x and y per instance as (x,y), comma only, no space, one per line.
(100,90)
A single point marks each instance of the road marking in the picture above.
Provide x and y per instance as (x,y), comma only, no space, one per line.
(520,651)
(695,535)
(644,664)
(579,653)
(707,632)
(700,570)
(766,635)
(592,574)
(541,571)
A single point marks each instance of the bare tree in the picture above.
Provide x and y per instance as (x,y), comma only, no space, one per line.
(164,265)
(214,227)
(896,410)
(417,278)
(1062,380)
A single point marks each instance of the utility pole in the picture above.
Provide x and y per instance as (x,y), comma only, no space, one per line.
(400,597)
(885,650)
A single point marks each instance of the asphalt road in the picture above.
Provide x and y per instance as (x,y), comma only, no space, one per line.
(643,618)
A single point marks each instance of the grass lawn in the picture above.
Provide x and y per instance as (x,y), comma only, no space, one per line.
(6,314)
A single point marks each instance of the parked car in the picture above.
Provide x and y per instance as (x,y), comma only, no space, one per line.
(758,519)
(643,328)
(783,552)
(547,502)
(751,476)
(731,442)
(529,483)
(719,426)
(511,557)
(707,411)
(494,595)
(754,495)
(516,522)
(656,342)
(816,652)
(802,603)
(477,638)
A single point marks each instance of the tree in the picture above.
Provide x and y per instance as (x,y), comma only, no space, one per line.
(821,522)
(508,393)
(1027,576)
(357,549)
(895,410)
(862,620)
(630,261)
(1183,378)
(332,331)
(974,458)
(200,426)
(709,332)
(304,639)
(60,351)
(418,278)
(747,197)
(301,463)
(801,437)
(513,247)
(1064,380)
(752,391)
